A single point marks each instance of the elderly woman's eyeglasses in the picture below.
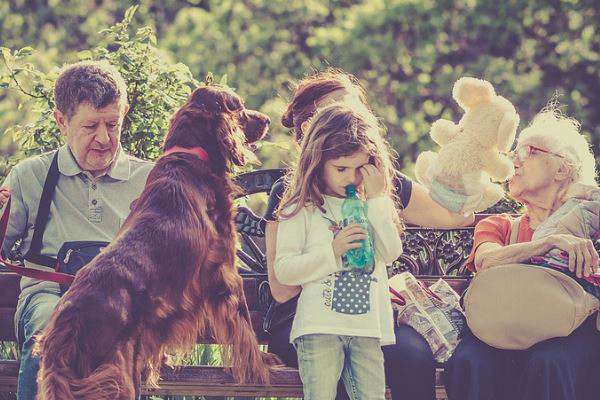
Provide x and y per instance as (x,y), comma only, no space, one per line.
(522,153)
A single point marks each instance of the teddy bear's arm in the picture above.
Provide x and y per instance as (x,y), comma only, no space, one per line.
(444,131)
(499,167)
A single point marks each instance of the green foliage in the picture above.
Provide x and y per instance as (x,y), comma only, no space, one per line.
(44,134)
(407,54)
(155,89)
(411,52)
(8,351)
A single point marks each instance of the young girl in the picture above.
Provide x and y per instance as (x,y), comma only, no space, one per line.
(343,315)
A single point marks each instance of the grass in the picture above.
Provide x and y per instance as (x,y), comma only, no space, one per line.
(8,351)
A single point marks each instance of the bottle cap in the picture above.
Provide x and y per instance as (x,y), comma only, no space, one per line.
(350,191)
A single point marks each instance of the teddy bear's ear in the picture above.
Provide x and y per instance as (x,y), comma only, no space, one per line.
(468,92)
(507,130)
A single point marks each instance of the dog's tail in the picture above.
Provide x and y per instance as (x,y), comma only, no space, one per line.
(232,326)
(64,369)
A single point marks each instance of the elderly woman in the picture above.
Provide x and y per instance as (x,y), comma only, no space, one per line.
(553,163)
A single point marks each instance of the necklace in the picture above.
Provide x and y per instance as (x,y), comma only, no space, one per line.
(333,221)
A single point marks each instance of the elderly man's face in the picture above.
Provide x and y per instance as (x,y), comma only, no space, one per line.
(535,170)
(93,134)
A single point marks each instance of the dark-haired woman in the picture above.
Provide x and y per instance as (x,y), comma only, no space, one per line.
(409,364)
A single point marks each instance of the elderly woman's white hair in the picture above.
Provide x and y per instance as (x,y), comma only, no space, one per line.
(552,131)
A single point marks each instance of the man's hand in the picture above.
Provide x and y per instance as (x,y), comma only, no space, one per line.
(4,195)
(583,257)
(348,238)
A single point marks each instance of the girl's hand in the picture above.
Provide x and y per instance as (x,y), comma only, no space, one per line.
(348,238)
(373,181)
(583,257)
(4,194)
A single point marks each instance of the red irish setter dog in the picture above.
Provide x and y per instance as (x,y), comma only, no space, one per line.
(170,273)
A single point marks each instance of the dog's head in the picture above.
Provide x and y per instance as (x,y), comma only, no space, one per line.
(215,118)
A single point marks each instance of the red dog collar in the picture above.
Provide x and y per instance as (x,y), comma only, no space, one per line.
(198,151)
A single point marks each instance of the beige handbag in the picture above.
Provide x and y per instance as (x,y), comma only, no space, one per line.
(515,306)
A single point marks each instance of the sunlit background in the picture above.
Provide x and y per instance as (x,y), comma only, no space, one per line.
(407,54)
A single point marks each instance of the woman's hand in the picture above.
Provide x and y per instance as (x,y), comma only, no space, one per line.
(4,195)
(373,181)
(583,257)
(348,238)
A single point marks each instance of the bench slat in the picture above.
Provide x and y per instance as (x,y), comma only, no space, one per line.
(192,380)
(208,381)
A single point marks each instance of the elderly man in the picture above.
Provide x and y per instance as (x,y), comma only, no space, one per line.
(553,164)
(96,183)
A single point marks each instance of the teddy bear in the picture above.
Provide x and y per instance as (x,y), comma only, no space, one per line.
(473,152)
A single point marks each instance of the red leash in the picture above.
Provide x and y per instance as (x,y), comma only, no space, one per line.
(397,297)
(400,300)
(58,277)
(55,276)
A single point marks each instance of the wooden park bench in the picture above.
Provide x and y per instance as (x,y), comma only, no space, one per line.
(428,253)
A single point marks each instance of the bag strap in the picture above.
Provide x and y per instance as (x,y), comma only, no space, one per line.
(514,230)
(396,297)
(63,279)
(41,220)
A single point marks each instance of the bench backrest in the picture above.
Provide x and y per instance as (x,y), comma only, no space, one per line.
(428,253)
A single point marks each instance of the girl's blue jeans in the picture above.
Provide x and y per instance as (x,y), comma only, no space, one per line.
(323,359)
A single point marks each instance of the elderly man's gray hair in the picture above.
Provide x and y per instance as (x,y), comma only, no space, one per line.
(97,83)
(552,131)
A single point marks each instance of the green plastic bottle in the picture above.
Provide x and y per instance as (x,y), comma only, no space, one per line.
(354,212)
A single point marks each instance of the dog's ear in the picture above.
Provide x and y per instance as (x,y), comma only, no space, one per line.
(214,100)
(231,142)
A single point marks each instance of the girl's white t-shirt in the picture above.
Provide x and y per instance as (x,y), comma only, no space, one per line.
(335,300)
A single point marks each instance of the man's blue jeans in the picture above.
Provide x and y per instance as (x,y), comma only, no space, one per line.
(33,317)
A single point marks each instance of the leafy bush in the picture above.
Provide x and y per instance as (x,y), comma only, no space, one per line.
(155,89)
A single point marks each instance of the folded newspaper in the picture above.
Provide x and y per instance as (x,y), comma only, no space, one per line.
(434,312)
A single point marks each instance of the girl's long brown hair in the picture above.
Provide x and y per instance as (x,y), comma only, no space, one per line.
(338,130)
